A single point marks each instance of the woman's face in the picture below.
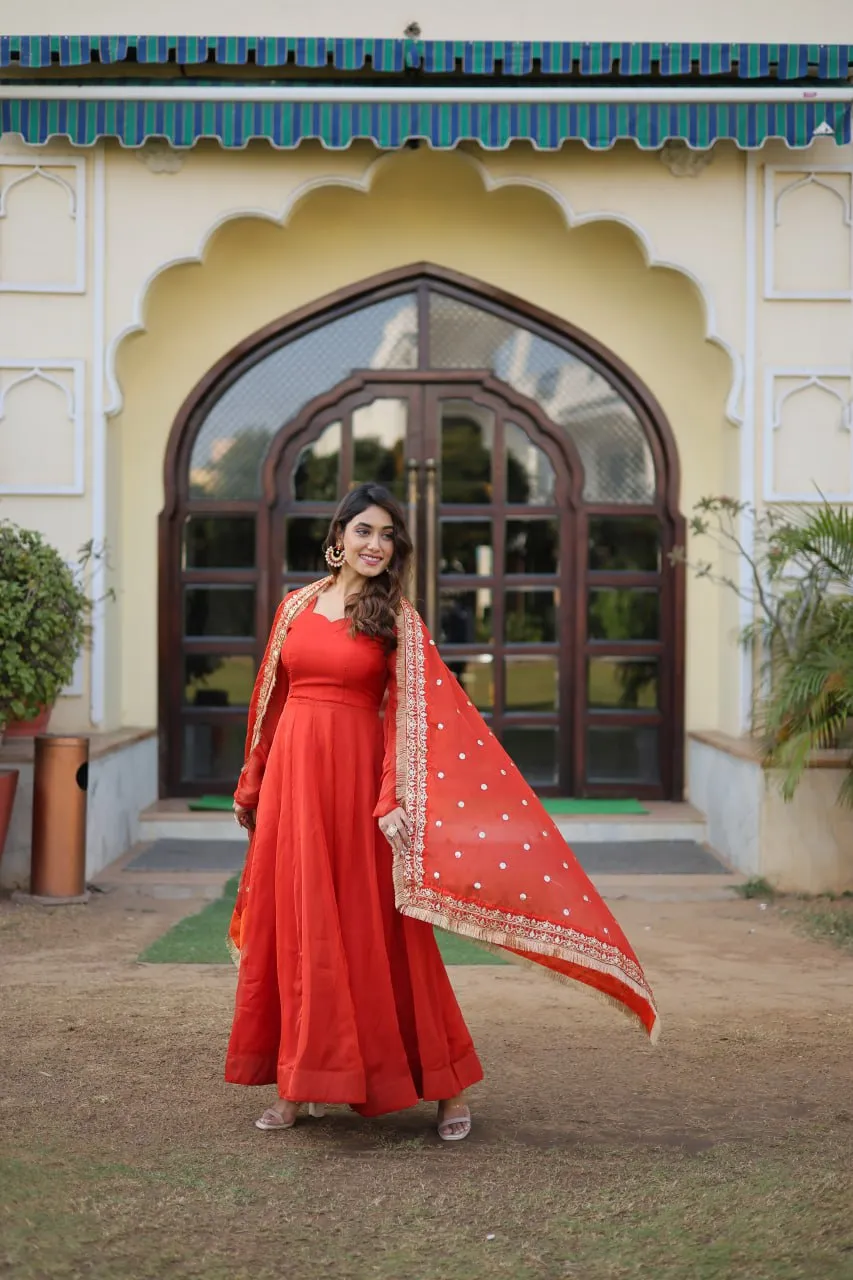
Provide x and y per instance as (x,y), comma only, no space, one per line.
(369,542)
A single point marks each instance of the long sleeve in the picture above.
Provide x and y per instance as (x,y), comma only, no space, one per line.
(388,788)
(249,784)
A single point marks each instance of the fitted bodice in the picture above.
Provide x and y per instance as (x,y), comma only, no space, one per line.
(325,663)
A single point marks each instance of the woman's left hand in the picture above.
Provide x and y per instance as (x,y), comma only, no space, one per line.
(396,827)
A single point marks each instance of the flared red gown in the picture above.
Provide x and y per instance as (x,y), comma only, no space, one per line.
(340,998)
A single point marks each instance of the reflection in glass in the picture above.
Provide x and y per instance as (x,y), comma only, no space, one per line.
(530,617)
(532,684)
(271,393)
(379,439)
(623,754)
(532,546)
(617,460)
(622,683)
(624,543)
(234,466)
(315,477)
(466,617)
(304,544)
(466,547)
(623,613)
(530,477)
(218,680)
(210,612)
(213,751)
(219,542)
(534,752)
(467,440)
(476,675)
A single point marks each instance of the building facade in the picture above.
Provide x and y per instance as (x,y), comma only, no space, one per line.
(551,293)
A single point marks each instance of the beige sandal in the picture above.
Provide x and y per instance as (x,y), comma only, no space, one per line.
(272,1120)
(444,1127)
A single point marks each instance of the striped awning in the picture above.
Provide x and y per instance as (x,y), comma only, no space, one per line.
(441,125)
(481,57)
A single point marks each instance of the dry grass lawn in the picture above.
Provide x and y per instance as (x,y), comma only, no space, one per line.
(726,1152)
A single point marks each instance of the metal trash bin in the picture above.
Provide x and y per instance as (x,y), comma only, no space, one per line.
(60,784)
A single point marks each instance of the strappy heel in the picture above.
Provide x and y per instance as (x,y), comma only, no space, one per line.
(272,1120)
(446,1123)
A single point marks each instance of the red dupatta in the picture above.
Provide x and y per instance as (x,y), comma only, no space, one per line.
(485,860)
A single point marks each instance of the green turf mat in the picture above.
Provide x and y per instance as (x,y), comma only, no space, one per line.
(214,804)
(552,804)
(557,804)
(200,939)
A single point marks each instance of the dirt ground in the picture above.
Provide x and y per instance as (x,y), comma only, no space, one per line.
(724,1152)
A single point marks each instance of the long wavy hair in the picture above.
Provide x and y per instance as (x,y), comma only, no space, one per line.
(374,609)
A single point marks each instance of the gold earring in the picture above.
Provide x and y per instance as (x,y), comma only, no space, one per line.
(335,557)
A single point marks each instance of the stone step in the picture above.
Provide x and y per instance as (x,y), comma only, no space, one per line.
(172,820)
(662,822)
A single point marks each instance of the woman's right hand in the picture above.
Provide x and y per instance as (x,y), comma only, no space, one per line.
(396,827)
(244,816)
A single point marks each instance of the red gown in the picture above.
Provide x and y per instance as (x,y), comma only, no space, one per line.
(340,997)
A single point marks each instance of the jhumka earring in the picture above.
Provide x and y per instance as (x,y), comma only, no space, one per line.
(335,557)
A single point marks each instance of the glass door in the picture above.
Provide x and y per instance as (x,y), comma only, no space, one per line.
(369,434)
(549,615)
(497,571)
(486,496)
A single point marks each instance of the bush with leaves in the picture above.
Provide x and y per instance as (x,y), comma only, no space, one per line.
(801,591)
(44,613)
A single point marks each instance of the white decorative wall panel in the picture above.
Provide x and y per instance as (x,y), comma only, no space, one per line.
(42,427)
(808,233)
(42,225)
(808,445)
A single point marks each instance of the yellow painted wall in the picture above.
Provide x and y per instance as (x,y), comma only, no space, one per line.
(422,207)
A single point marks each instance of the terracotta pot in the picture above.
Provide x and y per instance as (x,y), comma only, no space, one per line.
(8,787)
(29,728)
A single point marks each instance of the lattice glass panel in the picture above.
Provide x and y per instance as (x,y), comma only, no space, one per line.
(230,448)
(617,460)
(530,477)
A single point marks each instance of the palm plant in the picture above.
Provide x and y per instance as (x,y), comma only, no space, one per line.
(809,700)
(801,590)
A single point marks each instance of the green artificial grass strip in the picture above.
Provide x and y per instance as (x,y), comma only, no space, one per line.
(557,804)
(200,939)
(456,950)
(213,804)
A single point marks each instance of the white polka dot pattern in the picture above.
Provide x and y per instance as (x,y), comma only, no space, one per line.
(531,906)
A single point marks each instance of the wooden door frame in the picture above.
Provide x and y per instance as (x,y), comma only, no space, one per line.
(418,278)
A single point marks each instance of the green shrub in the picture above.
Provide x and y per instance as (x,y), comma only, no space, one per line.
(44,614)
(800,589)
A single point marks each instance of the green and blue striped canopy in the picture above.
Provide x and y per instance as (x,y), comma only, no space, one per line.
(494,125)
(445,125)
(479,57)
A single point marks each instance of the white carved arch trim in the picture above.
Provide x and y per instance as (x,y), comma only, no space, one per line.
(15,374)
(39,171)
(39,374)
(48,169)
(364,184)
(815,381)
(806,490)
(811,179)
(774,200)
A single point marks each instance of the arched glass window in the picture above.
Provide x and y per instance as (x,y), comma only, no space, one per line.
(537,475)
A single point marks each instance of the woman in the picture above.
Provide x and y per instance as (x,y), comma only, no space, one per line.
(366,833)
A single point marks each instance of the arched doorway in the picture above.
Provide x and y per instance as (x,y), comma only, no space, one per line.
(541,481)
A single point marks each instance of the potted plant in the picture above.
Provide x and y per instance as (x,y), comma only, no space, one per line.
(44,614)
(801,591)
